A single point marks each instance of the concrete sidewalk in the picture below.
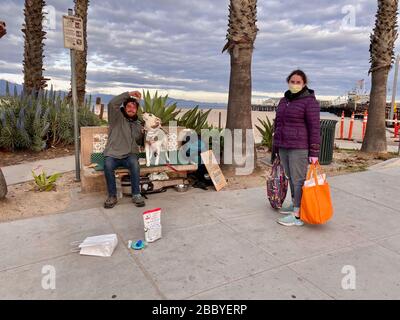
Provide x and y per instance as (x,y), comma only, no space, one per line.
(344,144)
(224,245)
(23,172)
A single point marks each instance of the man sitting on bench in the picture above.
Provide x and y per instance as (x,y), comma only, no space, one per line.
(125,134)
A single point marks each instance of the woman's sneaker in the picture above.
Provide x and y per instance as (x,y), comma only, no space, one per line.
(138,200)
(287,210)
(290,220)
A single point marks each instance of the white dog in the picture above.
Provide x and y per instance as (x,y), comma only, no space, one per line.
(156,139)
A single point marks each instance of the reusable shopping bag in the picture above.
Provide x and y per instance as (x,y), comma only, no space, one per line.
(316,204)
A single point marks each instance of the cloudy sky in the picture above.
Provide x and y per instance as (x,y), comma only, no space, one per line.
(174,46)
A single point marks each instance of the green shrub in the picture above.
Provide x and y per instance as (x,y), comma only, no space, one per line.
(40,120)
(266,131)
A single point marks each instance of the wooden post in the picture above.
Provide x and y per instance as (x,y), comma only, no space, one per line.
(219,120)
(101,111)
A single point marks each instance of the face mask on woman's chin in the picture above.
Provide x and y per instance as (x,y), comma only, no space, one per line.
(295,88)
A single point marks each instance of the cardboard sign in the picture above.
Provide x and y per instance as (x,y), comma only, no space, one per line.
(213,169)
(73,33)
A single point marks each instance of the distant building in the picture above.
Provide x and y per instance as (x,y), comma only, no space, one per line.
(325,103)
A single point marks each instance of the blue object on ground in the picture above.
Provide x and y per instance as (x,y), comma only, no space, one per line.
(138,245)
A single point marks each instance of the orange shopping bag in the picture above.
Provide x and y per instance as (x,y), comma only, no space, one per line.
(316,205)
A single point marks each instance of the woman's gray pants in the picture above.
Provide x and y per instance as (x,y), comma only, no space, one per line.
(295,162)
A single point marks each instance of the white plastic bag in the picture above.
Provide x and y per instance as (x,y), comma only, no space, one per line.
(101,246)
(152,224)
(311,182)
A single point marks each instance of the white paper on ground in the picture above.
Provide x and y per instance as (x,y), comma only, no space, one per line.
(101,246)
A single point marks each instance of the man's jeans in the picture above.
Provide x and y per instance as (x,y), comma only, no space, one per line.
(131,163)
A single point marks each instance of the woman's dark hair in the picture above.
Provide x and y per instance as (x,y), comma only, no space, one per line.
(298,73)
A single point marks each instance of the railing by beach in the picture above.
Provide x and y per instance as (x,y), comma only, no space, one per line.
(263,108)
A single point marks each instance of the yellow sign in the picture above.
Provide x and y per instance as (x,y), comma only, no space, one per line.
(395,108)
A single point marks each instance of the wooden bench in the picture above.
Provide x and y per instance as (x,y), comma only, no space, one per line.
(93,140)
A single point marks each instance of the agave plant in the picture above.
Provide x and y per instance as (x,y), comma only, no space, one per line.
(266,131)
(195,119)
(158,106)
(44,182)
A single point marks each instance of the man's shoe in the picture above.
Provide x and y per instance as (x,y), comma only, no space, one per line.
(290,220)
(110,202)
(287,210)
(138,200)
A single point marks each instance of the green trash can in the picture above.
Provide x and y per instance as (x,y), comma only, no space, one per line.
(328,128)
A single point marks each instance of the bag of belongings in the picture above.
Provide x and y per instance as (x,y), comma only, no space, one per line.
(277,184)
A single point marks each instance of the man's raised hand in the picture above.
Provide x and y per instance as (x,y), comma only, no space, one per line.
(3,29)
(135,94)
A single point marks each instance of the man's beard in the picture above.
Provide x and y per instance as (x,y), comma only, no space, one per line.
(128,117)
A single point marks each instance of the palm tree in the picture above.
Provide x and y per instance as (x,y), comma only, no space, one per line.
(33,47)
(242,31)
(81,11)
(382,56)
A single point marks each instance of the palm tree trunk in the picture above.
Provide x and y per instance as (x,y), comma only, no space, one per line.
(3,185)
(381,58)
(239,101)
(33,48)
(241,36)
(81,11)
(375,134)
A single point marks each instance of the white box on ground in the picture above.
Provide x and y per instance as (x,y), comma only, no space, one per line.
(152,224)
(101,246)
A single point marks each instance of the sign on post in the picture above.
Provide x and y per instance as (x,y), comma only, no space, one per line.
(73,33)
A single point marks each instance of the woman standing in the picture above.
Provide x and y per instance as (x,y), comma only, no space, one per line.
(297,139)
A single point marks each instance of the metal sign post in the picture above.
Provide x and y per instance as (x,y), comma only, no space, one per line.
(73,39)
(394,90)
